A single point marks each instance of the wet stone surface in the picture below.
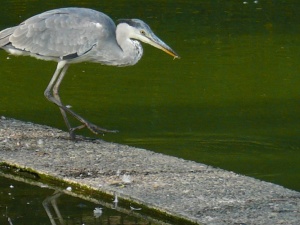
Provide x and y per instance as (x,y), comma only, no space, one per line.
(183,188)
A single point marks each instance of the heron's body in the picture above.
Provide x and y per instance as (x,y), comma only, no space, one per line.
(73,35)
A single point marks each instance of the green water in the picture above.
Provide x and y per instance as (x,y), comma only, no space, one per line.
(22,203)
(231,101)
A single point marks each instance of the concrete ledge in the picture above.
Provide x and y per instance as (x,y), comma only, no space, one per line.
(185,189)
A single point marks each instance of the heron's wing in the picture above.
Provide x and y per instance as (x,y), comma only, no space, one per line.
(63,32)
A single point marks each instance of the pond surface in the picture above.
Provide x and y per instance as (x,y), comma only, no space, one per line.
(22,203)
(231,101)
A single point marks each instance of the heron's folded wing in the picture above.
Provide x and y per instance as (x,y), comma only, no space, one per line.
(60,33)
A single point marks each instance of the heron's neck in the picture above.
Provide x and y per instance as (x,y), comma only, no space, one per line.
(132,50)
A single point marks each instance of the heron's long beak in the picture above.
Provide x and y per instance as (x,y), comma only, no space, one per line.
(157,43)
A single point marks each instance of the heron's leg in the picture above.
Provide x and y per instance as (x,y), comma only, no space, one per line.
(54,84)
(59,67)
(55,81)
(57,97)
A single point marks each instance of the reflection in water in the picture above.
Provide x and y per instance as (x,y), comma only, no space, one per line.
(115,202)
(52,200)
(9,220)
(21,203)
(100,216)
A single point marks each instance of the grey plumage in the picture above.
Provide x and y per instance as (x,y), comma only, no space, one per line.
(72,35)
(60,32)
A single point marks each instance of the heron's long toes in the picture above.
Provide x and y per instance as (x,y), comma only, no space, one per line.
(98,130)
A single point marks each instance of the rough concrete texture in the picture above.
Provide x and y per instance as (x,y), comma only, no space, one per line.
(183,188)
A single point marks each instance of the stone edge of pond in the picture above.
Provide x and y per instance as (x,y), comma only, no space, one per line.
(192,191)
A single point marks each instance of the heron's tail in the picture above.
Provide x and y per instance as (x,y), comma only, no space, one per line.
(5,34)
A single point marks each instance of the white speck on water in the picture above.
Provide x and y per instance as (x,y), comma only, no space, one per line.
(135,209)
(97,212)
(11,186)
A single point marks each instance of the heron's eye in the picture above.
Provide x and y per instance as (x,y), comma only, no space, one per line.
(143,32)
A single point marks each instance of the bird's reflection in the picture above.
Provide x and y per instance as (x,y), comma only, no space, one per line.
(96,216)
(51,201)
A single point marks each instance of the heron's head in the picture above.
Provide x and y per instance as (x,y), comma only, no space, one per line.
(142,32)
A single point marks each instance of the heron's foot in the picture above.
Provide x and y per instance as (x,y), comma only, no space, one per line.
(92,127)
(98,130)
(72,131)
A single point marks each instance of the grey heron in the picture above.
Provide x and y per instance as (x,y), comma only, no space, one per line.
(74,35)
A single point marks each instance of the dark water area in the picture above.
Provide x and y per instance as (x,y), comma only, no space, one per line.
(231,101)
(24,203)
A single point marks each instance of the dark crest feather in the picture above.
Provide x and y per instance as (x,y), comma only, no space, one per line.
(134,23)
